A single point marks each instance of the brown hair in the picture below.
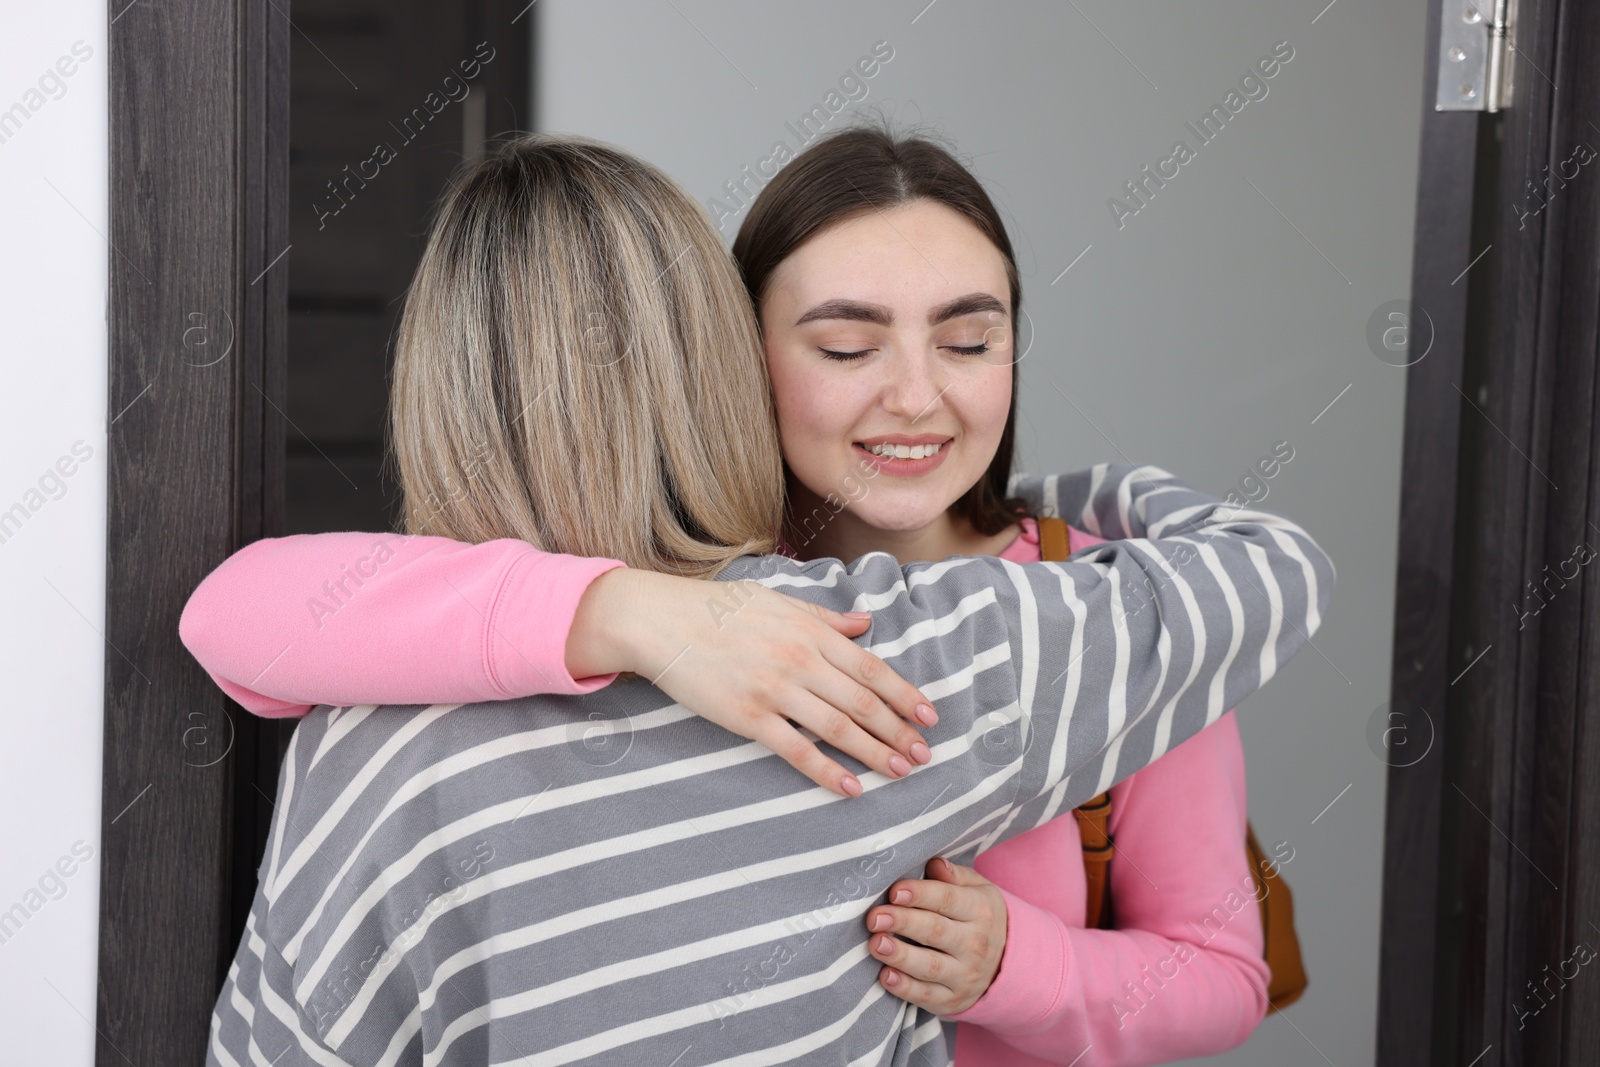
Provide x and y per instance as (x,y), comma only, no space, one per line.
(579,367)
(866,169)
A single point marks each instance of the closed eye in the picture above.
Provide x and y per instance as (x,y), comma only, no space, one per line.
(967,350)
(844,357)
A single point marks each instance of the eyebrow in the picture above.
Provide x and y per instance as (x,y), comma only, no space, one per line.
(964,305)
(848,310)
(860,311)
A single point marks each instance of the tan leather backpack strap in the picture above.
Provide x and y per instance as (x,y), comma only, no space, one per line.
(1094,827)
(1055,542)
(1094,817)
(1282,944)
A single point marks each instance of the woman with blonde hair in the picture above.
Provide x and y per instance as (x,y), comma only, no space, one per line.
(578,372)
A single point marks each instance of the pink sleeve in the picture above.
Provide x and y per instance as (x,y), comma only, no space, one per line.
(345,618)
(1183,974)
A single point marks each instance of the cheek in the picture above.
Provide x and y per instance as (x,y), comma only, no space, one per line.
(815,417)
(795,395)
(985,403)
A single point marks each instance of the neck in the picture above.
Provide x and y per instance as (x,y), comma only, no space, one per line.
(844,536)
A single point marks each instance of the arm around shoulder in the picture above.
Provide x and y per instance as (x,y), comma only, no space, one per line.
(341,618)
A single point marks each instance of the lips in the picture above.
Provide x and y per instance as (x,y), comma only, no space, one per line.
(902,455)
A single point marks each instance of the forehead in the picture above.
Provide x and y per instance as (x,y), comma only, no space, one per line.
(914,255)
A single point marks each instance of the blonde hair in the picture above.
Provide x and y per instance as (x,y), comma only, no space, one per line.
(578,366)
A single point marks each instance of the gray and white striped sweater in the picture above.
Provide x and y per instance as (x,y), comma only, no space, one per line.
(609,879)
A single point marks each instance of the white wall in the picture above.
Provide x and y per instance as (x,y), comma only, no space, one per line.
(52,568)
(1218,320)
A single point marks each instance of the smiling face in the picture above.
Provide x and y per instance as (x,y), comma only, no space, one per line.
(889,341)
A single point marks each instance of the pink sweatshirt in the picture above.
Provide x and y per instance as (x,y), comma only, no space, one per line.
(340,619)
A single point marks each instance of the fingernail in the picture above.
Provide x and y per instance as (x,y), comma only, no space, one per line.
(901,896)
(899,766)
(885,946)
(920,752)
(851,785)
(926,715)
(880,922)
(891,978)
(858,615)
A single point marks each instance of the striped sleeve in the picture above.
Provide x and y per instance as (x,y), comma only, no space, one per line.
(1188,607)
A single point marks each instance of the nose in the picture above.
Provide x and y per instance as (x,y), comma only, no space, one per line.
(919,385)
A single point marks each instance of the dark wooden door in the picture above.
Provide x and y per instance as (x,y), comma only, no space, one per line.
(1491,880)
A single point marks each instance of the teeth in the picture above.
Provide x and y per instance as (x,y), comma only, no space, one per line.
(905,451)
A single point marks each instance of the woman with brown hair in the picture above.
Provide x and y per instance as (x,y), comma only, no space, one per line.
(570,294)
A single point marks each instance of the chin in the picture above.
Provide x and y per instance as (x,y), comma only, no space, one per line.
(907,517)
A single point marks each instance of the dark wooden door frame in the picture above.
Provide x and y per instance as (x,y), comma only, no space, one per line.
(198,190)
(197,328)
(1491,877)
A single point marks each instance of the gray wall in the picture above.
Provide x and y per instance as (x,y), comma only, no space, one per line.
(1221,318)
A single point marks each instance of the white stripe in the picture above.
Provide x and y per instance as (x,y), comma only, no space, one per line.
(919,1037)
(1197,633)
(1125,497)
(1069,693)
(258,1055)
(640,1029)
(1158,529)
(346,799)
(928,629)
(1217,704)
(220,1052)
(1291,547)
(800,1048)
(218,1049)
(1122,646)
(782,580)
(340,723)
(1087,519)
(932,573)
(1028,635)
(1053,805)
(926,1033)
(1269,649)
(283,1012)
(280,810)
(929,575)
(240,1003)
(878,1053)
(1108,769)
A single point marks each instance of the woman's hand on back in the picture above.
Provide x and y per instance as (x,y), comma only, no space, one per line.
(755,662)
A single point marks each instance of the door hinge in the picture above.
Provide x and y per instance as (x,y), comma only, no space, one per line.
(1476,43)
